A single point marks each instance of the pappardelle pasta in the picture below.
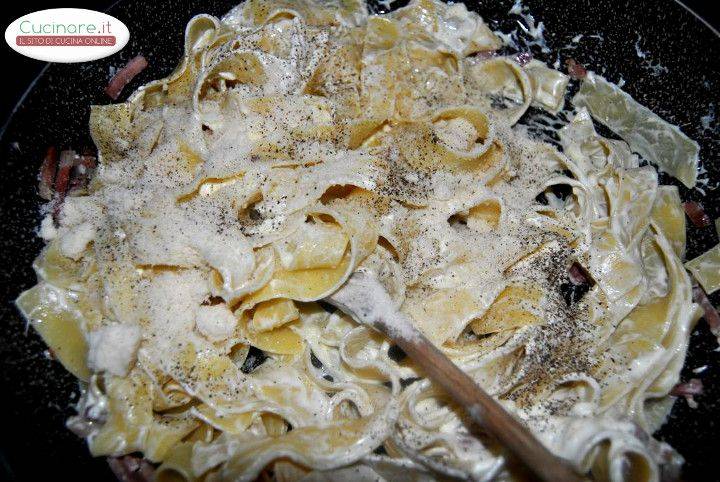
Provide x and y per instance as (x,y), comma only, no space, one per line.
(301,140)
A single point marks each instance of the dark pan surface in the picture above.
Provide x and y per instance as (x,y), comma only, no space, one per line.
(37,394)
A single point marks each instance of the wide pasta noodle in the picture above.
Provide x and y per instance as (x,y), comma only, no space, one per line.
(299,141)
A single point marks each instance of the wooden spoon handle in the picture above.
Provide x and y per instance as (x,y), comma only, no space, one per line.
(483,409)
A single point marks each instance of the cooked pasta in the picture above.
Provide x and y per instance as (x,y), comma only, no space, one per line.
(301,140)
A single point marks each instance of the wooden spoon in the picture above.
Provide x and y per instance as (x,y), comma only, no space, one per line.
(365,299)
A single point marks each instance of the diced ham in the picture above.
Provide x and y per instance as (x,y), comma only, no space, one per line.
(82,172)
(47,173)
(486,54)
(694,386)
(523,58)
(123,76)
(62,178)
(576,70)
(712,318)
(87,160)
(697,214)
(579,275)
(130,468)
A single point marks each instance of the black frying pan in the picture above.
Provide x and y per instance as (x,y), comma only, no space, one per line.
(36,394)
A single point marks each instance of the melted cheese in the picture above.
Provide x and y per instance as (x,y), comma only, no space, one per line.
(112,348)
(215,322)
